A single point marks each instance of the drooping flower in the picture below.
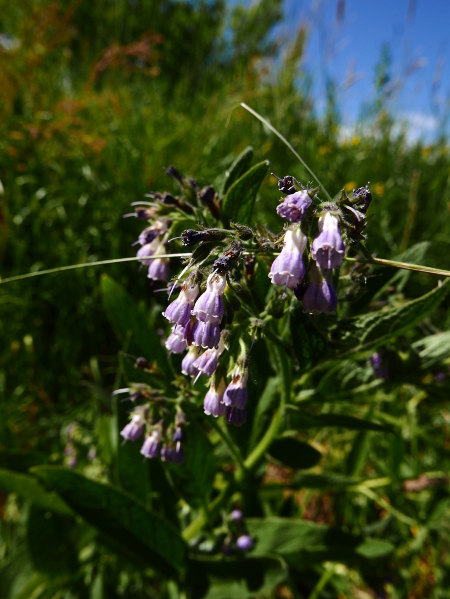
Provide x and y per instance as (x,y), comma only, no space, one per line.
(205,334)
(176,343)
(172,451)
(210,307)
(150,446)
(235,416)
(213,403)
(179,311)
(134,429)
(244,543)
(147,250)
(236,394)
(288,268)
(321,294)
(294,206)
(159,267)
(187,365)
(328,249)
(207,362)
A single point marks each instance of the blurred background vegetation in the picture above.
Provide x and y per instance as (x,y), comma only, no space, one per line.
(97,99)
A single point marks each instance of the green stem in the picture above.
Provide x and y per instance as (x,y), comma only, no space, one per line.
(285,141)
(234,450)
(259,451)
(322,583)
(196,525)
(403,265)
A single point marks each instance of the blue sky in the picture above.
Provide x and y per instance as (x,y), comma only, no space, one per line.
(417,33)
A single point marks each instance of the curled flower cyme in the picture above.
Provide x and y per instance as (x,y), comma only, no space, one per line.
(288,268)
(294,206)
(321,294)
(328,249)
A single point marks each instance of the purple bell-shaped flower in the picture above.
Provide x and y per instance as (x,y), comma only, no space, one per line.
(134,429)
(179,311)
(328,249)
(210,307)
(147,250)
(288,268)
(321,294)
(236,394)
(150,446)
(206,364)
(213,404)
(187,365)
(205,334)
(159,267)
(235,416)
(176,343)
(294,206)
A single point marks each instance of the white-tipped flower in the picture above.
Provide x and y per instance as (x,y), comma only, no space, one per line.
(328,249)
(288,268)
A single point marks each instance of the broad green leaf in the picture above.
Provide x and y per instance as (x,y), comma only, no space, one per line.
(308,343)
(240,199)
(237,169)
(305,543)
(296,419)
(323,481)
(18,577)
(127,320)
(378,327)
(21,461)
(227,578)
(294,453)
(118,515)
(30,489)
(50,541)
(433,349)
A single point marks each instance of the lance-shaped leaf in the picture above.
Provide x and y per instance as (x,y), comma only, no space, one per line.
(119,516)
(126,319)
(297,419)
(237,169)
(294,453)
(308,343)
(240,199)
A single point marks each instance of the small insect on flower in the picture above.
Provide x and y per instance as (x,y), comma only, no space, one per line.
(328,249)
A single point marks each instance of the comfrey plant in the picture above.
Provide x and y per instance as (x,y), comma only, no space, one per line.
(214,306)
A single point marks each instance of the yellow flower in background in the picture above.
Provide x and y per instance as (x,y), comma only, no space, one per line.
(350,186)
(379,188)
(355,141)
(324,150)
(426,151)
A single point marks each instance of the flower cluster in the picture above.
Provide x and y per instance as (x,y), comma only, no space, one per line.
(218,314)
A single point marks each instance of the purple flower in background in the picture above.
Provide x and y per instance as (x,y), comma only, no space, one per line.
(209,307)
(206,364)
(236,516)
(176,343)
(159,267)
(244,543)
(159,227)
(294,206)
(205,334)
(92,453)
(147,250)
(320,295)
(288,268)
(174,455)
(236,393)
(150,446)
(134,429)
(179,311)
(328,249)
(235,416)
(380,369)
(213,400)
(187,365)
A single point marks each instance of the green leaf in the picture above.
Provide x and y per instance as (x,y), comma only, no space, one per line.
(294,453)
(433,349)
(230,577)
(296,419)
(378,327)
(358,453)
(237,169)
(324,481)
(194,478)
(49,541)
(21,461)
(267,403)
(308,343)
(126,319)
(240,199)
(307,543)
(119,516)
(30,489)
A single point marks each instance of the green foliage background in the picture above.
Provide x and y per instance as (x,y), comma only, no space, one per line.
(96,100)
